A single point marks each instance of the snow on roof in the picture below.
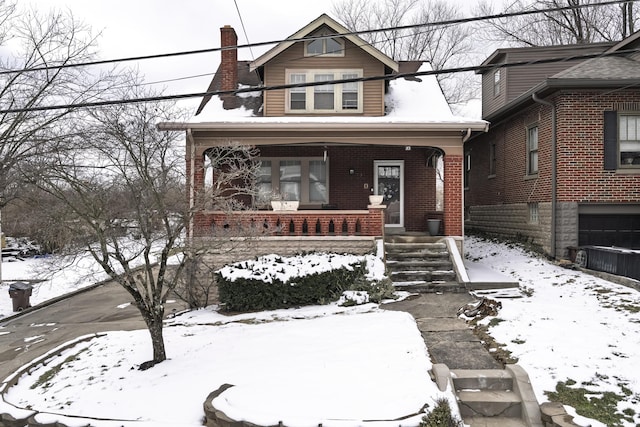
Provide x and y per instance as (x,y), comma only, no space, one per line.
(419,100)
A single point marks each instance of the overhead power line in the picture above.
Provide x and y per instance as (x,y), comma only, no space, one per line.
(161,98)
(370,31)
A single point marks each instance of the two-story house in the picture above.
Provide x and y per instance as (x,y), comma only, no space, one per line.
(560,164)
(330,146)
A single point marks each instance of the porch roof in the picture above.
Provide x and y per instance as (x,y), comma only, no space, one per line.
(447,136)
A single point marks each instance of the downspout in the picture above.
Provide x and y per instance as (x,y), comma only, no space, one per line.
(554,170)
(192,183)
(465,138)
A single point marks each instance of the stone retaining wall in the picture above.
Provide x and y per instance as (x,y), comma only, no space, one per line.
(226,251)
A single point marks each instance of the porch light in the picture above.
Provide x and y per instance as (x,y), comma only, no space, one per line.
(407,148)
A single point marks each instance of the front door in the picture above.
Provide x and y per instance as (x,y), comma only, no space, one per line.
(389,182)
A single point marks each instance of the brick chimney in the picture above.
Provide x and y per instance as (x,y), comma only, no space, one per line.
(229,64)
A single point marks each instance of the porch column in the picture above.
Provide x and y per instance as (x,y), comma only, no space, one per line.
(453,186)
(195,185)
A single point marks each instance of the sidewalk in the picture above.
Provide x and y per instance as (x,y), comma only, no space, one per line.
(448,338)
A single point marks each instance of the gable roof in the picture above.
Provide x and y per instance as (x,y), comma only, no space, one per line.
(323,19)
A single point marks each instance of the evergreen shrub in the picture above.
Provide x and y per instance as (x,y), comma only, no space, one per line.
(317,288)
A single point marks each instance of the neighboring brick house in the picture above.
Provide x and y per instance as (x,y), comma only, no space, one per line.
(560,164)
(330,147)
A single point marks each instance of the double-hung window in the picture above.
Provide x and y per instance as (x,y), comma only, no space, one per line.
(496,82)
(298,95)
(324,98)
(492,158)
(629,140)
(532,150)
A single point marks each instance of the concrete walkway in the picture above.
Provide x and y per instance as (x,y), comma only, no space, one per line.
(449,339)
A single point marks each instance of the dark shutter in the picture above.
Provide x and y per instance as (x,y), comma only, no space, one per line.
(610,140)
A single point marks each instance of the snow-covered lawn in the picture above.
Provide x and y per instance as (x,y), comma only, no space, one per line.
(304,367)
(567,325)
(333,365)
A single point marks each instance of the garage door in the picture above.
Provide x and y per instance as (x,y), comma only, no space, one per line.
(621,230)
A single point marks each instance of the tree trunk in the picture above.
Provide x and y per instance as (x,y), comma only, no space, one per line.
(154,323)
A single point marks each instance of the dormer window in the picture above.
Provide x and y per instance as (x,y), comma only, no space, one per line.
(324,46)
(326,98)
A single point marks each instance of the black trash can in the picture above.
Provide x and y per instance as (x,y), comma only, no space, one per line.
(20,293)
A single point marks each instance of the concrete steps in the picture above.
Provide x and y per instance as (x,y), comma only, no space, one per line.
(491,397)
(420,264)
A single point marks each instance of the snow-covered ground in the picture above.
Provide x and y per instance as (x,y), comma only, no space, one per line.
(335,365)
(49,280)
(566,325)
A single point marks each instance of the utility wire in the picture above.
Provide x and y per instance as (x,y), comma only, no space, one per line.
(480,68)
(244,29)
(258,44)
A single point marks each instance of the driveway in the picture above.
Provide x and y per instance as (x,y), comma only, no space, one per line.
(106,307)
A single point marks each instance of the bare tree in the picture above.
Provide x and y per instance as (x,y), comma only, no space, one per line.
(35,47)
(442,46)
(120,196)
(595,23)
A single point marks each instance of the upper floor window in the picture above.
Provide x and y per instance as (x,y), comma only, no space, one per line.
(629,140)
(496,82)
(532,150)
(329,98)
(324,46)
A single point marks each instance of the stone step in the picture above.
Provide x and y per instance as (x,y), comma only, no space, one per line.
(395,248)
(494,422)
(422,245)
(489,403)
(422,286)
(416,255)
(482,379)
(423,264)
(421,275)
(403,238)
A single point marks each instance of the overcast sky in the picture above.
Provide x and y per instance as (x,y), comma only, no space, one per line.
(144,27)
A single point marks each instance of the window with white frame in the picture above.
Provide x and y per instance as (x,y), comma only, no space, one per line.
(629,139)
(302,179)
(322,99)
(532,150)
(324,45)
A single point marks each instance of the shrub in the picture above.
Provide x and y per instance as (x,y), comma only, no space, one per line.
(249,294)
(441,416)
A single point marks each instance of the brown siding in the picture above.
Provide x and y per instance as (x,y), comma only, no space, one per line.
(519,79)
(490,102)
(355,58)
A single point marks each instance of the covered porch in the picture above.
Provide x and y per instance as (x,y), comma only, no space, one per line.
(331,169)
